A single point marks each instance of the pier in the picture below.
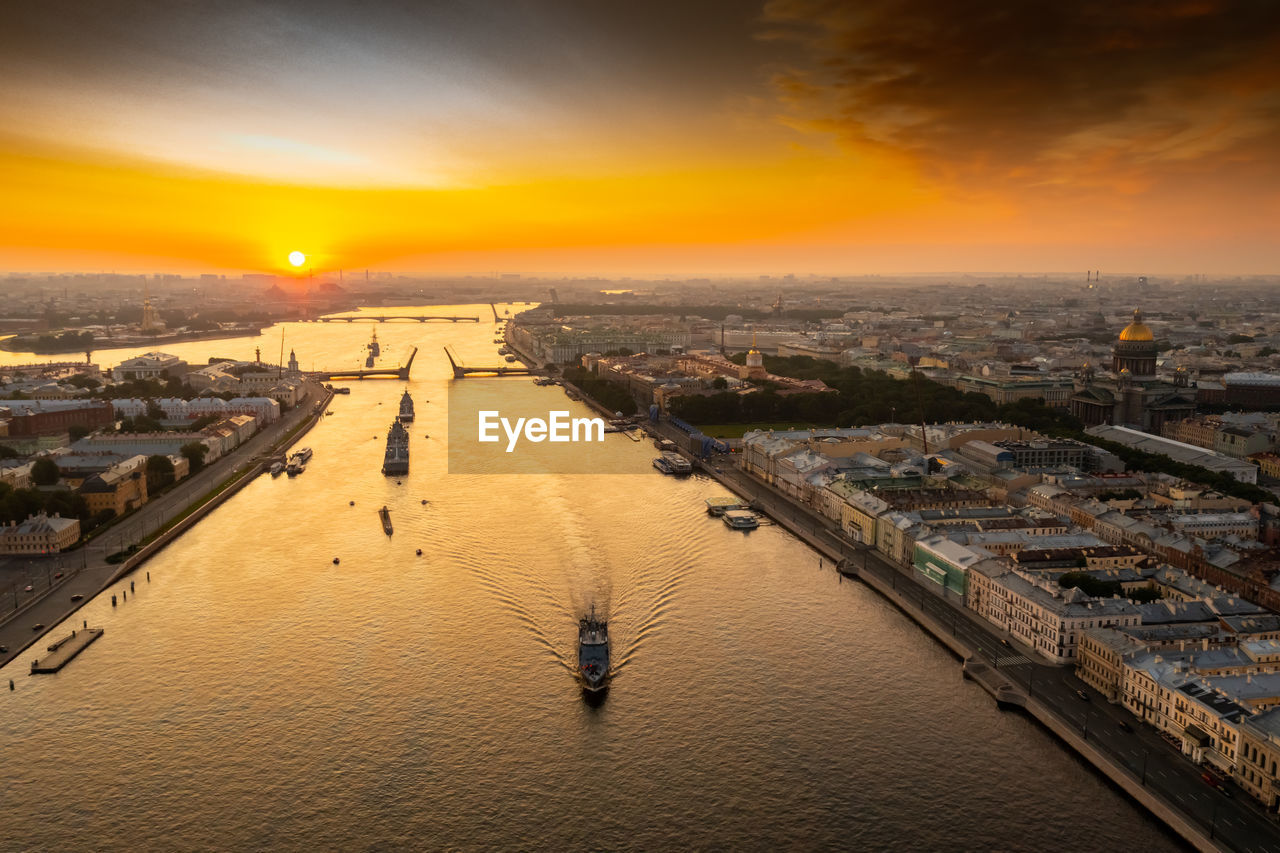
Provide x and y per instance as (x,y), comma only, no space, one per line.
(462,371)
(414,318)
(401,373)
(62,652)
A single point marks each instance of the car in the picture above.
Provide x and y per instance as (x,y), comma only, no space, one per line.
(1124,726)
(77,597)
(57,574)
(39,626)
(28,588)
(1080,694)
(3,649)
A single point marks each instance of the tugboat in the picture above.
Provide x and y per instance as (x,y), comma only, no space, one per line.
(593,652)
(406,409)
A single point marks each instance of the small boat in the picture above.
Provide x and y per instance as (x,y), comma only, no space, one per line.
(336,561)
(419,552)
(305,453)
(385,515)
(740,519)
(295,467)
(277,468)
(351,503)
(510,358)
(342,390)
(593,652)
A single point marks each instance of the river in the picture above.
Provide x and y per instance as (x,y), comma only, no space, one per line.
(253,695)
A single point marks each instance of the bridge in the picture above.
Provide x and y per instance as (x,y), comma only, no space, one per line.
(461,371)
(372,373)
(417,318)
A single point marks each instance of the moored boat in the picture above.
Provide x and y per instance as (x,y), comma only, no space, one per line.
(740,519)
(277,468)
(672,463)
(406,408)
(719,506)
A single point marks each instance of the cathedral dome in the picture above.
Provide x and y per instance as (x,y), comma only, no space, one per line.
(1137,330)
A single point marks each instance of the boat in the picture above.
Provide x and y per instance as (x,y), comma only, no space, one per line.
(672,463)
(510,359)
(368,361)
(593,652)
(374,347)
(385,515)
(295,467)
(740,519)
(406,408)
(342,389)
(277,468)
(396,460)
(304,454)
(719,506)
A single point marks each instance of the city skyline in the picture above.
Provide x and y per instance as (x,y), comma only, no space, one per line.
(790,136)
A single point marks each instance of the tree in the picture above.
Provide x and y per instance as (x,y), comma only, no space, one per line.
(159,472)
(45,472)
(719,383)
(77,431)
(194,451)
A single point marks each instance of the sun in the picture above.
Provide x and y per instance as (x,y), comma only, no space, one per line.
(297,258)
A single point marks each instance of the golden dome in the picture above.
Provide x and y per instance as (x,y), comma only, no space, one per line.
(1137,330)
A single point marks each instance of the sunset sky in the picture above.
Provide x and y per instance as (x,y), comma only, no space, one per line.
(797,136)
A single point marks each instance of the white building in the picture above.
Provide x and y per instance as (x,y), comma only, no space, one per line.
(1034,609)
(151,365)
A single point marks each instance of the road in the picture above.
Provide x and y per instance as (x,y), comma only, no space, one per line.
(85,571)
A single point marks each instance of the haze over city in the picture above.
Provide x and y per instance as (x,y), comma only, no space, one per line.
(577,138)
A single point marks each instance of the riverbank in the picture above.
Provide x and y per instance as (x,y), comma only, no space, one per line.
(156,524)
(19,344)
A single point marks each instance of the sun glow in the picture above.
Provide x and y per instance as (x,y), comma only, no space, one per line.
(297,258)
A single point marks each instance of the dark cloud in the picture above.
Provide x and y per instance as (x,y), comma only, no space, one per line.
(1036,91)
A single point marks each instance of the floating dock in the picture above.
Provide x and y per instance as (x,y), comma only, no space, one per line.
(62,652)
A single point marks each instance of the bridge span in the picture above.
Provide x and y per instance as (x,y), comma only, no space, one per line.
(401,373)
(461,371)
(418,318)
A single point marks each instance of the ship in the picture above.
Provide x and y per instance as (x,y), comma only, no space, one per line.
(740,519)
(385,515)
(406,409)
(593,652)
(396,460)
(672,463)
(374,348)
(304,454)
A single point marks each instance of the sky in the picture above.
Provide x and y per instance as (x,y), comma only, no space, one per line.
(719,137)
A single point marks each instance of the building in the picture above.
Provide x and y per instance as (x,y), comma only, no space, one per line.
(23,418)
(1133,395)
(1035,610)
(120,488)
(39,534)
(151,365)
(1241,469)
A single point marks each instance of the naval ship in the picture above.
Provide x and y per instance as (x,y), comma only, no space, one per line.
(406,409)
(396,461)
(593,652)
